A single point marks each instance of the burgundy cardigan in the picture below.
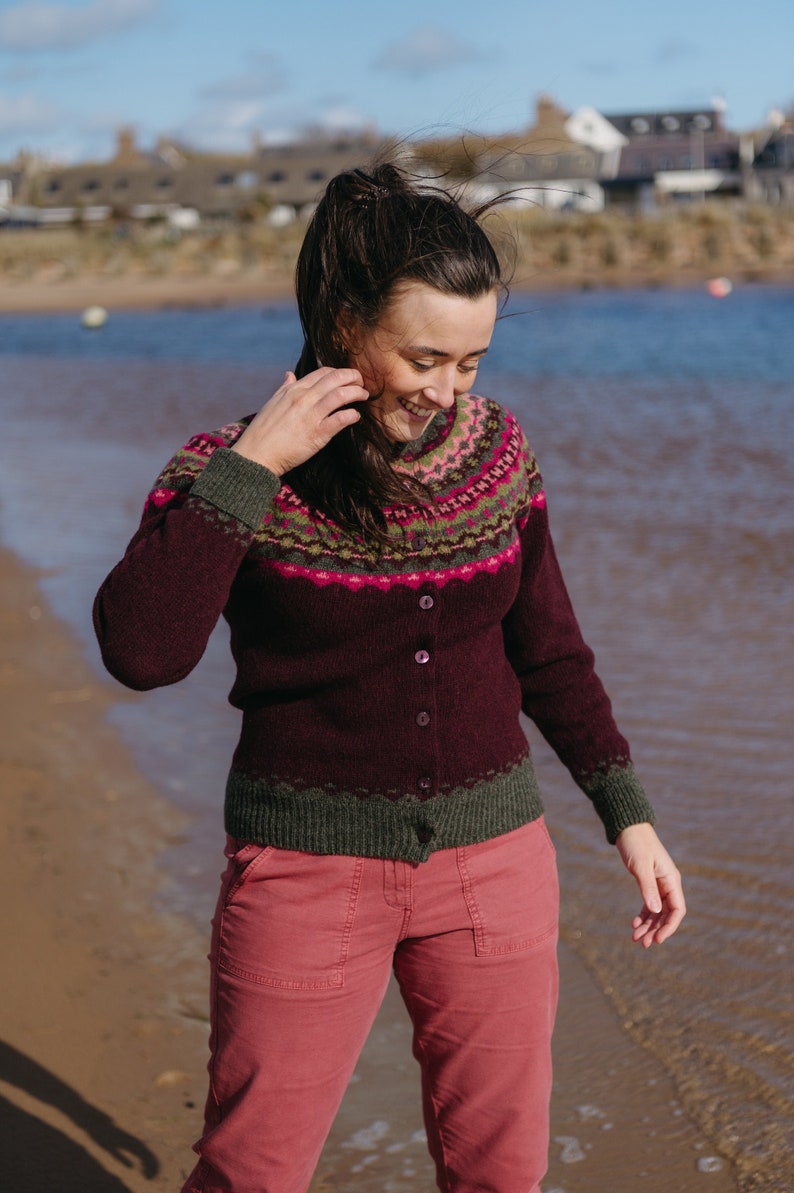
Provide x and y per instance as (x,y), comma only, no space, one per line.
(380,690)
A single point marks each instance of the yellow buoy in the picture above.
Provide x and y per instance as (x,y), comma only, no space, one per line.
(94,317)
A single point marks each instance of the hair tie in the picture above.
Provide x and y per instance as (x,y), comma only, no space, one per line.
(374,189)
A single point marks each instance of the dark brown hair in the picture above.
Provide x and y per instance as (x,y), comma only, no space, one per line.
(370,232)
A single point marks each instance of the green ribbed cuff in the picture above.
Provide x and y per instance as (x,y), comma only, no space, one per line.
(619,799)
(237,486)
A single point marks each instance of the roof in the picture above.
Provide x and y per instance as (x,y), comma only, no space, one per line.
(667,123)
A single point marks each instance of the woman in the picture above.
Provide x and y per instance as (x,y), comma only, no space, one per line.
(376,537)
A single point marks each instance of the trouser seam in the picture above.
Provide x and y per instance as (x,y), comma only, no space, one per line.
(427,1070)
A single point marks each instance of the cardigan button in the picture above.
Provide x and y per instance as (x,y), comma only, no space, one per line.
(426,602)
(419,543)
(424,835)
(422,656)
(423,718)
(425,783)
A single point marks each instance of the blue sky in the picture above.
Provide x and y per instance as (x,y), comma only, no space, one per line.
(72,71)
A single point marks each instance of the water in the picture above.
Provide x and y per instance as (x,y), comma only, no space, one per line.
(664,424)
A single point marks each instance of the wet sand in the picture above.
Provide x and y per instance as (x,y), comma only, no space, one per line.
(143,291)
(104,1039)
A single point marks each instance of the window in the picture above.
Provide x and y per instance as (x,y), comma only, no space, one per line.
(120,184)
(686,162)
(701,122)
(224,179)
(52,186)
(91,184)
(671,124)
(277,176)
(640,125)
(665,163)
(316,175)
(248,180)
(164,183)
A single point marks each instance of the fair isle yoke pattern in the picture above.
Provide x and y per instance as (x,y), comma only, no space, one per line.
(481,497)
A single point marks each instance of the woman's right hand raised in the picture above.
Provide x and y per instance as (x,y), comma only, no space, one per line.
(301,417)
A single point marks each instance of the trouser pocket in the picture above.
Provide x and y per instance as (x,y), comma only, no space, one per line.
(285,917)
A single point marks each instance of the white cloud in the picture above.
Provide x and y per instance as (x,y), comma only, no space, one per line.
(264,77)
(225,127)
(428,49)
(21,115)
(344,118)
(41,26)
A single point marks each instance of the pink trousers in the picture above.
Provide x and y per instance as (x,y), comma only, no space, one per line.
(302,949)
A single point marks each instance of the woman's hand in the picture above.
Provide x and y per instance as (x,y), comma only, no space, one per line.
(659,881)
(301,417)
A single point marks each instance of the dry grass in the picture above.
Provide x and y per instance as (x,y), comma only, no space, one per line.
(540,246)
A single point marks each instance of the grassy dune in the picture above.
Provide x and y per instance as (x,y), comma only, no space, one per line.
(677,246)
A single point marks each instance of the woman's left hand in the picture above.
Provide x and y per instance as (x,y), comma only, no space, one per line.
(659,881)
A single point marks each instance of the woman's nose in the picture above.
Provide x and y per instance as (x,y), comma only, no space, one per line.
(442,392)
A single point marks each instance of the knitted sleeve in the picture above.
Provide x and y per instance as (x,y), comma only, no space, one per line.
(561,691)
(155,612)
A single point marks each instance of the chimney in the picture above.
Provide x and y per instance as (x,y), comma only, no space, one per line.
(126,151)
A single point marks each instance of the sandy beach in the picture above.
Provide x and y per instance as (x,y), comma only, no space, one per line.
(141,291)
(104,1040)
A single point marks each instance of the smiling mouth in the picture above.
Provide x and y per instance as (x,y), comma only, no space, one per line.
(416,411)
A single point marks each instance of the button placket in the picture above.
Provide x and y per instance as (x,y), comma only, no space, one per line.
(425,781)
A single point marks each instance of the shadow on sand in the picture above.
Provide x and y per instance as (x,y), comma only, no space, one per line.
(37,1157)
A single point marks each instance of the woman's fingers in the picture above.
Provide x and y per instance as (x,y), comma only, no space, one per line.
(301,417)
(659,881)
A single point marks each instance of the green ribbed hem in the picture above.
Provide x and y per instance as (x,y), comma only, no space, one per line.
(407,829)
(237,486)
(619,799)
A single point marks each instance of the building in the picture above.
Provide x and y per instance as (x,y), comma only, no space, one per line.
(673,156)
(771,154)
(171,180)
(545,166)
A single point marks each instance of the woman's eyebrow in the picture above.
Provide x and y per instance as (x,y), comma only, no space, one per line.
(423,350)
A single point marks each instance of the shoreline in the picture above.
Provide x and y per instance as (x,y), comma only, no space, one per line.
(105,1031)
(189,291)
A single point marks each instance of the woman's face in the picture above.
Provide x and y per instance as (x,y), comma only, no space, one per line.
(423,352)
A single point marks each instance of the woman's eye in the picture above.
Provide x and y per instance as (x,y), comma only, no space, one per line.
(469,368)
(420,367)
